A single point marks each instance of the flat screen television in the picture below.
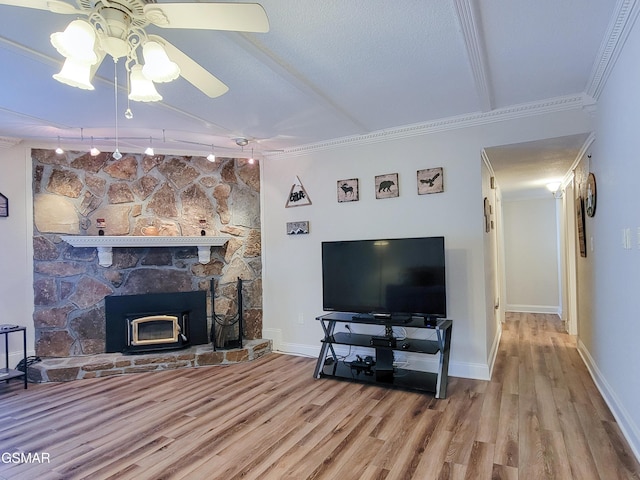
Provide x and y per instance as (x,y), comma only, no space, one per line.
(384,278)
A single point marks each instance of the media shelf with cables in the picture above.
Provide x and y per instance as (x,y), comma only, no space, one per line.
(380,369)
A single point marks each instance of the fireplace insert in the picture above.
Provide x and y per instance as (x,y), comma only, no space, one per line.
(155,322)
(166,331)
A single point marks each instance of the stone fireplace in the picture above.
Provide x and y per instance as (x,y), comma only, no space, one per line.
(180,196)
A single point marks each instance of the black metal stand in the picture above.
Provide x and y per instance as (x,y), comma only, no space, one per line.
(7,373)
(380,370)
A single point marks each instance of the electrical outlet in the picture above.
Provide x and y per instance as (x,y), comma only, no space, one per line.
(301,319)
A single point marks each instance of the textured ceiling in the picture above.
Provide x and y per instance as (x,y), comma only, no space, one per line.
(325,70)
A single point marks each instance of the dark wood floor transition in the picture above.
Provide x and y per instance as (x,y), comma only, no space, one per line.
(540,417)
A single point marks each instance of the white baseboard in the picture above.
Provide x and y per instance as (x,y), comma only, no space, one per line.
(629,429)
(299,350)
(15,358)
(553,309)
(273,334)
(474,371)
(494,349)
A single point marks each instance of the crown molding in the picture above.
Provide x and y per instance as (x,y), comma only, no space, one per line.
(8,142)
(551,105)
(474,43)
(622,20)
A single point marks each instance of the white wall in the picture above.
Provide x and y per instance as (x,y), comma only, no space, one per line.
(531,255)
(292,264)
(16,251)
(609,343)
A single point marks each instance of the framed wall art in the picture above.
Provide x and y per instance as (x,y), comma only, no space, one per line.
(348,190)
(580,225)
(590,206)
(487,215)
(298,228)
(387,186)
(4,206)
(298,196)
(430,180)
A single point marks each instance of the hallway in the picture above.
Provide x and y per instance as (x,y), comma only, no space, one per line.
(565,429)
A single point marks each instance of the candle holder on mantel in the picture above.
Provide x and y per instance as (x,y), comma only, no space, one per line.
(226,333)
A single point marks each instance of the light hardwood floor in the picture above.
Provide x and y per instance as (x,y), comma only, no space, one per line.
(539,417)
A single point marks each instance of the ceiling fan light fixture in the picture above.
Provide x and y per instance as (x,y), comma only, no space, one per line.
(116,47)
(142,89)
(157,65)
(76,42)
(116,30)
(75,74)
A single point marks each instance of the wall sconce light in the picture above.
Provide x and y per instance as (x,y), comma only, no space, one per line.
(554,188)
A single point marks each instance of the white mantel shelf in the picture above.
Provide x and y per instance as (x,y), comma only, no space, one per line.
(104,244)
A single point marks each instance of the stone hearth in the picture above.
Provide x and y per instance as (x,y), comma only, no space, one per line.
(109,364)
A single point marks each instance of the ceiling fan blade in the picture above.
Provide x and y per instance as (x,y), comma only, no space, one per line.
(239,17)
(191,71)
(55,6)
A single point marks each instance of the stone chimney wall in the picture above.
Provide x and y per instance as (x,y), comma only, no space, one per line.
(173,193)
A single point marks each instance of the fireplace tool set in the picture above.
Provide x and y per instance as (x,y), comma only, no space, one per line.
(226,333)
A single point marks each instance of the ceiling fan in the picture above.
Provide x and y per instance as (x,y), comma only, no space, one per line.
(117,28)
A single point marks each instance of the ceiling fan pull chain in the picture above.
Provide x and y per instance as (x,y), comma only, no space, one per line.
(116,154)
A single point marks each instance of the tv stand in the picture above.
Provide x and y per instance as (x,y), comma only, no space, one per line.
(381,371)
